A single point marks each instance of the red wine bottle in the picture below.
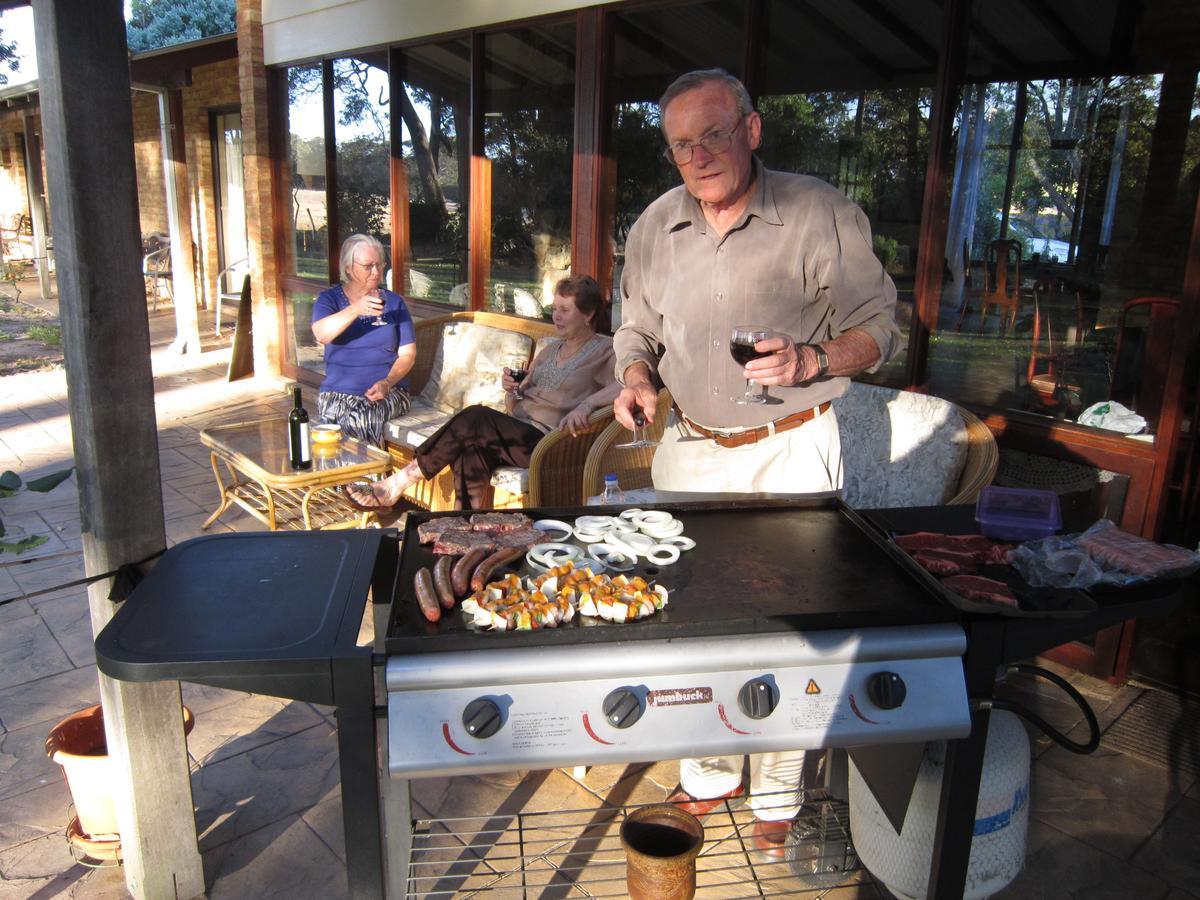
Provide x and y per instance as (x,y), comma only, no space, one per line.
(299,454)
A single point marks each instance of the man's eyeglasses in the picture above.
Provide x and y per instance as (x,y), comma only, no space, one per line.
(680,152)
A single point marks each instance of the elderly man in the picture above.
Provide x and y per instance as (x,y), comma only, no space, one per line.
(738,244)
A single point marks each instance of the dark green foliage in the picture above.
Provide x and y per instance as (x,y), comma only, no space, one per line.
(160,23)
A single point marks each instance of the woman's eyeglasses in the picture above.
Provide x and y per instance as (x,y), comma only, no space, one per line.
(680,152)
(370,267)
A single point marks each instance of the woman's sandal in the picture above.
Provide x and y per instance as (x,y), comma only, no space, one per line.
(377,507)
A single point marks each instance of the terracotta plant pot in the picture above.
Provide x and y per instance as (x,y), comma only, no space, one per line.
(78,744)
(661,845)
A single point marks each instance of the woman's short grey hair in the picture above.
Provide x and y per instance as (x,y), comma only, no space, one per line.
(350,247)
(692,80)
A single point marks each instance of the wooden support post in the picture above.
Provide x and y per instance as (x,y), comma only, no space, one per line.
(88,130)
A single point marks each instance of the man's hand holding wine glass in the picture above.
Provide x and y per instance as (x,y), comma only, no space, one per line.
(785,362)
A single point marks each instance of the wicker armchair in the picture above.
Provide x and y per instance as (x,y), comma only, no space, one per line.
(633,466)
(554,470)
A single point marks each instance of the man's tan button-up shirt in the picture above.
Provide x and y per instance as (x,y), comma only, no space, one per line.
(799,261)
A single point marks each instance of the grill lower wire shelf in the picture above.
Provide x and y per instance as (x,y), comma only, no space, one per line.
(577,853)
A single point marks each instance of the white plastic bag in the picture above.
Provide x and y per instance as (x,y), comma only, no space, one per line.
(1113,416)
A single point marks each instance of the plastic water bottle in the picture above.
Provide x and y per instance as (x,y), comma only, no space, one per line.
(613,495)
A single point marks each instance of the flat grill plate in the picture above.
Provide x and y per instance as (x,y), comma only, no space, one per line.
(758,567)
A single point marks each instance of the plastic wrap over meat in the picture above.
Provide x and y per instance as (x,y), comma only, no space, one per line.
(1105,556)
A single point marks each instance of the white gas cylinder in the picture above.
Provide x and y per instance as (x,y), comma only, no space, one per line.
(901,861)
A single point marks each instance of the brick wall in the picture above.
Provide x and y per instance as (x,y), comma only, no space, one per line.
(14,201)
(147,156)
(213,86)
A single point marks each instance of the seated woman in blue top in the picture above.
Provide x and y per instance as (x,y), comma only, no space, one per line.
(369,345)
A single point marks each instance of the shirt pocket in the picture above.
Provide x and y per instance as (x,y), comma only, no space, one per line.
(777,303)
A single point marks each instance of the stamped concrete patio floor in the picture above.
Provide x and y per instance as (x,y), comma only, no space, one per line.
(265,777)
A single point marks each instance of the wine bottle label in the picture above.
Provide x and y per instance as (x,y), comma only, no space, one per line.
(305,450)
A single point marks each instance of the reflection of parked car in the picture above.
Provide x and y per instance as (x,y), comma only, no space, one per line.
(1036,242)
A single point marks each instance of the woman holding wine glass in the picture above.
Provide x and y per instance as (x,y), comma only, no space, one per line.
(369,344)
(569,378)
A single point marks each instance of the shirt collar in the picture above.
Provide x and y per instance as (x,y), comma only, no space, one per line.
(762,204)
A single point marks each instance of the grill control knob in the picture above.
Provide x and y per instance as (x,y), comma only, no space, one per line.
(622,708)
(481,718)
(758,698)
(886,690)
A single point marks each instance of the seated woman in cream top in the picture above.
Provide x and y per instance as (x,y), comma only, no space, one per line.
(569,378)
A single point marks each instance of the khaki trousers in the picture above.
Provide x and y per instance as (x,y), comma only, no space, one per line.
(804,460)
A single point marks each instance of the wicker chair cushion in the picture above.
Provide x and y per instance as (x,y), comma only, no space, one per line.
(899,448)
(418,423)
(467,364)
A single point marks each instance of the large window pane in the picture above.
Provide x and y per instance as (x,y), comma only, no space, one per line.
(1074,185)
(307,269)
(529,110)
(848,99)
(306,155)
(435,111)
(651,48)
(361,105)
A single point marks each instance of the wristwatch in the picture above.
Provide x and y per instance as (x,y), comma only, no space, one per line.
(822,360)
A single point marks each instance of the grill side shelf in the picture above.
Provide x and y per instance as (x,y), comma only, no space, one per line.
(265,612)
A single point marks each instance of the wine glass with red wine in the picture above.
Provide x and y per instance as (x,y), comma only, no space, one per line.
(639,433)
(741,348)
(517,368)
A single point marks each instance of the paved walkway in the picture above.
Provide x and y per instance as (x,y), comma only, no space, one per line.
(1119,824)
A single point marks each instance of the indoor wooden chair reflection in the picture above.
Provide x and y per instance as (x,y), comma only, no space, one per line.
(1001,286)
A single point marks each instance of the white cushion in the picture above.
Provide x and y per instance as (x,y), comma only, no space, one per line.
(899,448)
(467,364)
(511,479)
(416,425)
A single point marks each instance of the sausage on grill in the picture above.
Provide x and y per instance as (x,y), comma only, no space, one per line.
(426,596)
(485,569)
(441,581)
(460,576)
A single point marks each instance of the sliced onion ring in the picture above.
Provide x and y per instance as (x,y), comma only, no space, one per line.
(639,542)
(654,517)
(663,555)
(682,541)
(612,556)
(663,531)
(554,525)
(631,513)
(593,523)
(552,553)
(590,537)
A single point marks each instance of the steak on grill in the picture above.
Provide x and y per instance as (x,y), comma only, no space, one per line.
(458,542)
(494,522)
(428,532)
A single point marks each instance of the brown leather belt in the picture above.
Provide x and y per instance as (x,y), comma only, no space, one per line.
(754,435)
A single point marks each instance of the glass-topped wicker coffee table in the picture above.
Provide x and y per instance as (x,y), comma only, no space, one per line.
(261,481)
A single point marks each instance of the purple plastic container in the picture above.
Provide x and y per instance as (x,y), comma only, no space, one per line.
(1017,514)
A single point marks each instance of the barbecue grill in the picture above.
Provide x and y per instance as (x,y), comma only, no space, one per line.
(791,625)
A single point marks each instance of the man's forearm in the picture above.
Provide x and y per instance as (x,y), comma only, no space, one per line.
(636,374)
(849,353)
